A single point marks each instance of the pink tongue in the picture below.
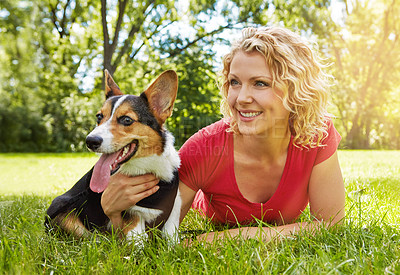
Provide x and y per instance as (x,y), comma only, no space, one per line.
(101,172)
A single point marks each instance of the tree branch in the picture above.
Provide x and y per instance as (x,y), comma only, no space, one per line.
(134,29)
(64,18)
(347,7)
(54,19)
(191,43)
(121,12)
(220,29)
(106,36)
(157,30)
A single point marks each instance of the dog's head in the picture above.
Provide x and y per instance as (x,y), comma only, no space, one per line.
(130,126)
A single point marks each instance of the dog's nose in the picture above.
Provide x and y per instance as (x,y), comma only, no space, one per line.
(93,142)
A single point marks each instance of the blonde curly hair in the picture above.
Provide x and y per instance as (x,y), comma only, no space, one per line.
(296,71)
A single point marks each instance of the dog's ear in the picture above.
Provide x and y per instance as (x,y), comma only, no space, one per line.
(161,95)
(112,89)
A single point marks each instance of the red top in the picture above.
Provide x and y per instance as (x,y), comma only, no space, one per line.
(207,165)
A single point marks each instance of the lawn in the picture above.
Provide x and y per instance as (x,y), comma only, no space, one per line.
(367,243)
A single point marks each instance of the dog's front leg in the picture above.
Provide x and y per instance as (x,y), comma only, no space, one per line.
(171,226)
(136,232)
(71,224)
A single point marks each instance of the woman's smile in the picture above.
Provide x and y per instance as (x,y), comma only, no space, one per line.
(249,114)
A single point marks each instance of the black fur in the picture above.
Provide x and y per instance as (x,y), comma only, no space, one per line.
(86,204)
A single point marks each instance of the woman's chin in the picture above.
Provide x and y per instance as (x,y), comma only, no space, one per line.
(247,130)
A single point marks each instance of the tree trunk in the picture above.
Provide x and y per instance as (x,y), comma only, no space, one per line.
(356,139)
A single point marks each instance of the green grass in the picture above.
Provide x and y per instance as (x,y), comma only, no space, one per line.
(367,243)
(42,174)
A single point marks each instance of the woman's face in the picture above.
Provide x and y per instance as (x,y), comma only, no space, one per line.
(255,106)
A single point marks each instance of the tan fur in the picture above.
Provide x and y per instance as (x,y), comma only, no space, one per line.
(71,224)
(130,224)
(106,111)
(151,144)
(149,141)
(158,95)
(125,110)
(112,88)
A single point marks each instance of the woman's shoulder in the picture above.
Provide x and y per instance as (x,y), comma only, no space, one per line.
(328,144)
(322,138)
(331,136)
(207,137)
(212,132)
(215,128)
(202,153)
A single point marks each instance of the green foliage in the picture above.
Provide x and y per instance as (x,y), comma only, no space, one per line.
(52,54)
(366,52)
(57,45)
(21,130)
(197,103)
(37,113)
(304,15)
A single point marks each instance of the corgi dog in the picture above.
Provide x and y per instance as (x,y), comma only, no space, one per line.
(131,137)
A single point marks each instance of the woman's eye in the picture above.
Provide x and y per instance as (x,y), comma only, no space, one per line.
(233,82)
(125,120)
(262,84)
(99,118)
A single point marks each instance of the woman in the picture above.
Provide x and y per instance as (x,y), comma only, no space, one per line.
(272,154)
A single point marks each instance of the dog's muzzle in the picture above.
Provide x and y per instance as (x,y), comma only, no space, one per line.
(93,142)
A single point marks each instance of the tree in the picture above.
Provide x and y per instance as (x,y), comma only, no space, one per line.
(42,54)
(139,24)
(20,125)
(367,56)
(53,46)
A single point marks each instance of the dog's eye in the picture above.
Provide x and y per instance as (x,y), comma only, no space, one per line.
(125,120)
(99,118)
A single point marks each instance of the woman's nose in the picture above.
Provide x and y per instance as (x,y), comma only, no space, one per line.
(245,95)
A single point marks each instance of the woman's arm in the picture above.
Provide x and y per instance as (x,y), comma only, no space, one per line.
(265,234)
(187,197)
(327,201)
(326,191)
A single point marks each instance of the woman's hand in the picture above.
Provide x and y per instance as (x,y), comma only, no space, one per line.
(123,192)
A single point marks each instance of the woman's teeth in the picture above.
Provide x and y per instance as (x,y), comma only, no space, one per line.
(250,114)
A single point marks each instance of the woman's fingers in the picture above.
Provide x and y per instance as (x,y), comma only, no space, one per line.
(143,187)
(124,191)
(147,192)
(124,180)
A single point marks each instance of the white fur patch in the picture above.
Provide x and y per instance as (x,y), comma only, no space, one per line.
(148,214)
(163,166)
(119,102)
(138,233)
(103,131)
(171,226)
